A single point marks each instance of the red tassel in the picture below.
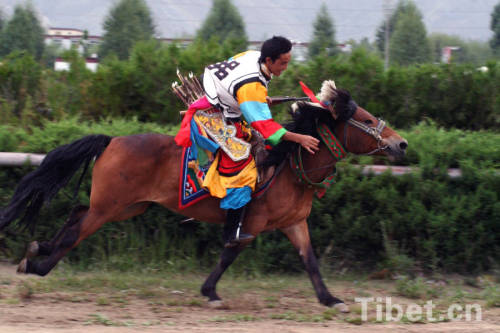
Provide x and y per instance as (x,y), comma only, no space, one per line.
(310,94)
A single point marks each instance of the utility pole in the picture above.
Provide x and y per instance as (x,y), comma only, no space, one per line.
(387,13)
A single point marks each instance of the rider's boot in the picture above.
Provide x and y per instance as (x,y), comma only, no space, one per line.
(232,235)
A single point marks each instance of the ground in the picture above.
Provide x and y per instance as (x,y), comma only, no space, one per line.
(150,301)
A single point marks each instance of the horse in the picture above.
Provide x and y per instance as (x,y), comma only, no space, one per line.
(131,172)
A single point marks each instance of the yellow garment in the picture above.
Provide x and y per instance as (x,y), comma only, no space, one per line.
(217,184)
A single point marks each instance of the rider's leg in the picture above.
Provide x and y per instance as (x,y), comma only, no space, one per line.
(232,234)
(235,205)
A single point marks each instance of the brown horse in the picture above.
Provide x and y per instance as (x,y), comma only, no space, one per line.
(131,172)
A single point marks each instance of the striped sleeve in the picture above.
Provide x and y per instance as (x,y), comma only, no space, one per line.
(251,98)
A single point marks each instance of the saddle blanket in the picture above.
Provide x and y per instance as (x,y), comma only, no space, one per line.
(192,177)
(191,180)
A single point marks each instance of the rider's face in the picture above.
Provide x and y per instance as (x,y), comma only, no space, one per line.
(279,65)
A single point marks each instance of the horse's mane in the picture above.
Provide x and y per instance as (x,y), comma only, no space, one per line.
(305,116)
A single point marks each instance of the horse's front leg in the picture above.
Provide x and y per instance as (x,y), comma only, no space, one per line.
(298,234)
(227,258)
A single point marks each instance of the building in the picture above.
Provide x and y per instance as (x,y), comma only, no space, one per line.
(91,63)
(68,38)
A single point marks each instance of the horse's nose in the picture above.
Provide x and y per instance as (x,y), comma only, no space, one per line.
(403,144)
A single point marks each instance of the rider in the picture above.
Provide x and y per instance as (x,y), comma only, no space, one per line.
(238,87)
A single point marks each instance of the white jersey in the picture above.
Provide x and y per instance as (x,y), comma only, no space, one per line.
(222,80)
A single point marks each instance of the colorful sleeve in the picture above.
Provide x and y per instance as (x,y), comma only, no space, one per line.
(251,97)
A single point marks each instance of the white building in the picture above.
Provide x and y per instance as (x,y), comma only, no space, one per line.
(91,64)
(68,38)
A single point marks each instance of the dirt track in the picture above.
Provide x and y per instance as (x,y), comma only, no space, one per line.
(85,312)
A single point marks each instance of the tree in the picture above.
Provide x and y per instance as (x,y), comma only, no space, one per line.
(475,52)
(409,43)
(224,23)
(323,40)
(128,22)
(1,20)
(495,27)
(404,6)
(23,32)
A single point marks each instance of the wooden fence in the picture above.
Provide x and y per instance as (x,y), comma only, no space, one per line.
(19,159)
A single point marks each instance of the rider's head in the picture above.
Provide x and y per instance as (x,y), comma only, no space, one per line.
(276,54)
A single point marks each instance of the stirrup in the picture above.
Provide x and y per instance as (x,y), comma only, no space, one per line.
(238,238)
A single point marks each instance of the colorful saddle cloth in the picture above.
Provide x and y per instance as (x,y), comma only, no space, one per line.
(191,181)
(209,132)
(193,176)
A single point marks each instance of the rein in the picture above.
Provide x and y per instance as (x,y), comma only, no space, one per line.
(336,150)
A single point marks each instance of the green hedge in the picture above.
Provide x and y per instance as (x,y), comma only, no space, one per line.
(454,96)
(423,220)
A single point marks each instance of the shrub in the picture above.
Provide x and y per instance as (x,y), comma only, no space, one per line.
(423,220)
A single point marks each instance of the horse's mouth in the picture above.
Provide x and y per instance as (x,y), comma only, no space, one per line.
(396,149)
(394,157)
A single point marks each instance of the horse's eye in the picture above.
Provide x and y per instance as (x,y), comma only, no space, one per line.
(368,121)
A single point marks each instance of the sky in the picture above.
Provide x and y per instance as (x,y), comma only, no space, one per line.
(353,19)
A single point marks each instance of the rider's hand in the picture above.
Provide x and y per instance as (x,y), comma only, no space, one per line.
(309,143)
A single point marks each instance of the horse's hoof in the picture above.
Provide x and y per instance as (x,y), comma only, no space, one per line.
(341,307)
(218,304)
(23,266)
(32,250)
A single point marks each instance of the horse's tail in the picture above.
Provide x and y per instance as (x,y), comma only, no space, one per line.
(57,168)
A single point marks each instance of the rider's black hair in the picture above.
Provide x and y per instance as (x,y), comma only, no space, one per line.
(274,47)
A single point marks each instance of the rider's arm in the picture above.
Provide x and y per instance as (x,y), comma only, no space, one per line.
(253,104)
(251,98)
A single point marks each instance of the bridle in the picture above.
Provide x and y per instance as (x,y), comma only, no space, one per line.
(336,149)
(375,132)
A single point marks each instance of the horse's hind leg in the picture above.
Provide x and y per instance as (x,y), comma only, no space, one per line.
(81,224)
(299,236)
(64,241)
(45,248)
(227,258)
(78,227)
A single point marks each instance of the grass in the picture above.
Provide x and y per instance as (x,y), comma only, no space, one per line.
(235,318)
(273,297)
(102,301)
(416,288)
(100,319)
(25,290)
(492,296)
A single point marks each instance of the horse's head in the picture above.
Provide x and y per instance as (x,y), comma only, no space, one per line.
(359,131)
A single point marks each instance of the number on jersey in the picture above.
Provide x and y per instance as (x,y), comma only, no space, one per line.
(221,69)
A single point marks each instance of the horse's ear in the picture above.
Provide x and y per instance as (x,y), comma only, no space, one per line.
(345,107)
